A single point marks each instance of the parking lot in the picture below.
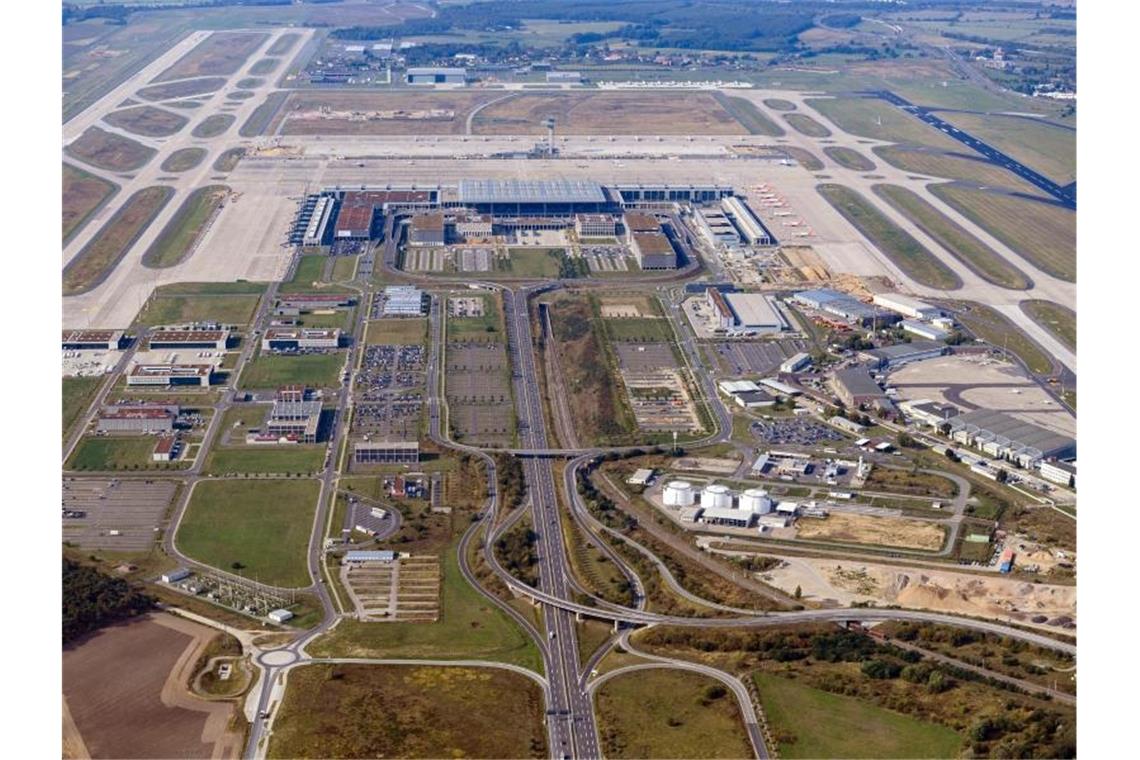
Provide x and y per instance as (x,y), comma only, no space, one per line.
(644,357)
(753,357)
(607,258)
(479,393)
(112,514)
(794,431)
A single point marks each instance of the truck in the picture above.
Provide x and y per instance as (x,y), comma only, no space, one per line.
(1005,562)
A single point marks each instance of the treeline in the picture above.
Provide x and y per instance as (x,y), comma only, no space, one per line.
(120,12)
(511,480)
(92,600)
(515,549)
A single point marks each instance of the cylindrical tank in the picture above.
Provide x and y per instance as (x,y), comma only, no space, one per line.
(679,493)
(755,500)
(716,496)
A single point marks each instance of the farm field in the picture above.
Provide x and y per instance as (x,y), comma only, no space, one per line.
(816,724)
(806,125)
(899,246)
(746,112)
(950,165)
(176,241)
(265,459)
(183,159)
(1041,232)
(842,527)
(183,302)
(331,711)
(83,194)
(213,125)
(878,120)
(219,54)
(849,158)
(147,121)
(184,89)
(665,713)
(1046,148)
(1057,319)
(78,392)
(979,257)
(274,370)
(99,257)
(106,150)
(263,525)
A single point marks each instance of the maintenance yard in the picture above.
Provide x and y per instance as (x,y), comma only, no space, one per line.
(115,515)
(738,358)
(405,589)
(480,409)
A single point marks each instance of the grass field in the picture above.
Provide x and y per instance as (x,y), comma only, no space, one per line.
(810,723)
(182,89)
(250,83)
(104,251)
(804,157)
(264,66)
(173,304)
(344,268)
(669,714)
(176,241)
(283,44)
(111,453)
(228,160)
(308,271)
(313,370)
(898,244)
(408,711)
(638,330)
(78,392)
(213,125)
(1048,149)
(240,95)
(220,53)
(992,327)
(396,331)
(849,158)
(979,257)
(109,151)
(147,121)
(542,262)
(879,120)
(1042,233)
(265,459)
(806,125)
(779,104)
(262,115)
(1057,319)
(263,525)
(83,194)
(746,112)
(959,166)
(183,159)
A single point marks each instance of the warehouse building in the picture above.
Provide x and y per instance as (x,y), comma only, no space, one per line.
(1006,437)
(750,227)
(756,312)
(137,418)
(907,306)
(595,225)
(855,387)
(802,360)
(358,556)
(435,75)
(403,301)
(653,251)
(386,452)
(891,357)
(295,420)
(753,399)
(168,375)
(847,308)
(817,298)
(182,339)
(923,330)
(294,338)
(929,412)
(427,229)
(108,340)
(721,311)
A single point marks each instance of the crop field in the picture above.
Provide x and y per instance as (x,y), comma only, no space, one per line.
(810,723)
(102,254)
(177,240)
(665,713)
(264,526)
(957,166)
(185,89)
(992,327)
(746,112)
(214,125)
(219,54)
(979,257)
(899,246)
(181,303)
(1057,319)
(849,158)
(227,161)
(147,121)
(183,159)
(332,711)
(261,117)
(806,125)
(873,530)
(265,459)
(78,392)
(1041,232)
(609,113)
(1049,149)
(394,113)
(83,194)
(273,370)
(879,120)
(109,151)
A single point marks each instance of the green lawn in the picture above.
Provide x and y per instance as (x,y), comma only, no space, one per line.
(899,245)
(1049,149)
(166,308)
(264,525)
(879,120)
(83,194)
(112,453)
(849,158)
(270,459)
(993,327)
(746,112)
(313,370)
(477,328)
(952,165)
(536,262)
(78,393)
(779,104)
(1057,319)
(669,714)
(806,125)
(817,724)
(979,257)
(638,329)
(343,268)
(397,331)
(177,239)
(308,271)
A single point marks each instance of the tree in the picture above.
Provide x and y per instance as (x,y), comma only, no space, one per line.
(1002,476)
(799,592)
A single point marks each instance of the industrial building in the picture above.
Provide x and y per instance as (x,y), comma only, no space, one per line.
(846,425)
(183,339)
(855,387)
(109,340)
(386,452)
(678,493)
(280,616)
(1061,473)
(783,389)
(802,360)
(754,399)
(435,75)
(722,313)
(747,224)
(294,338)
(907,306)
(756,312)
(168,375)
(847,308)
(403,301)
(295,420)
(1006,437)
(595,225)
(641,477)
(897,355)
(137,418)
(929,412)
(923,330)
(309,301)
(716,228)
